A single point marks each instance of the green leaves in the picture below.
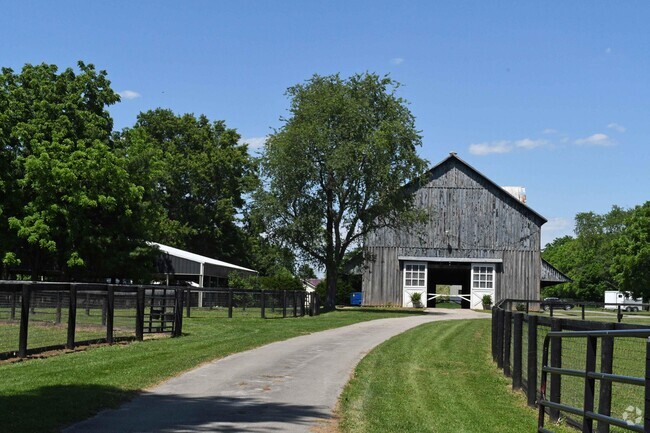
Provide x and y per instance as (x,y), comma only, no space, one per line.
(610,252)
(336,167)
(69,203)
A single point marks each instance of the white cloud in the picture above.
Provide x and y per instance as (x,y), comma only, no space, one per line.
(129,94)
(503,146)
(254,142)
(527,143)
(598,139)
(397,60)
(549,131)
(556,228)
(617,127)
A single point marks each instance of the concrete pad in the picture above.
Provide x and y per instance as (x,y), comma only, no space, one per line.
(287,386)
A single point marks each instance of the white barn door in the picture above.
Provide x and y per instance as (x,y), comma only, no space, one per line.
(483,283)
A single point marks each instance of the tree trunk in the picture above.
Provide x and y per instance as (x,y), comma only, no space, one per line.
(331,275)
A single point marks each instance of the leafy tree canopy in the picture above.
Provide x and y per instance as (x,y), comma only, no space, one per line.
(609,252)
(68,202)
(335,169)
(196,176)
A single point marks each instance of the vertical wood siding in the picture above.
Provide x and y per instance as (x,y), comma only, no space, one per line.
(468,217)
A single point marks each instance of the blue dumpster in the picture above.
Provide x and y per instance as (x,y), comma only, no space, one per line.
(355,298)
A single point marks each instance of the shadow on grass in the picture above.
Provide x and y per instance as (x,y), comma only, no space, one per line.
(382,310)
(48,409)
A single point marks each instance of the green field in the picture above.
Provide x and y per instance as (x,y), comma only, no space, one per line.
(449,384)
(41,395)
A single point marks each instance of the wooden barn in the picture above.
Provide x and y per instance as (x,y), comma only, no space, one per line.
(478,238)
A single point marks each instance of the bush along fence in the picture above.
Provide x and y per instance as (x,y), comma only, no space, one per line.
(37,317)
(592,375)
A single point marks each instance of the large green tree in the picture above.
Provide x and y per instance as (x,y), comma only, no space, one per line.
(196,175)
(631,264)
(68,202)
(336,168)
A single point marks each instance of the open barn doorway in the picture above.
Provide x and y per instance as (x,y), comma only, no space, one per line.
(449,282)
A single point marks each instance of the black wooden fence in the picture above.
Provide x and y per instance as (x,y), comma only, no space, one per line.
(265,303)
(518,348)
(36,317)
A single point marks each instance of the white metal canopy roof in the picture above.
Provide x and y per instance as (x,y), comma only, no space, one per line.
(197,257)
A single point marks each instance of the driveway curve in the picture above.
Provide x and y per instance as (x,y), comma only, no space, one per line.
(287,386)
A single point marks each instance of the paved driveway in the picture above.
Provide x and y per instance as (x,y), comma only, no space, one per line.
(287,386)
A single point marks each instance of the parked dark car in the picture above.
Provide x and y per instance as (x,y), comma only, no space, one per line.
(557,304)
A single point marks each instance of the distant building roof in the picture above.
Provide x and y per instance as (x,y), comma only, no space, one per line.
(197,258)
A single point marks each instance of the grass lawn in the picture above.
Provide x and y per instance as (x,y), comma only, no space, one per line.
(41,395)
(438,377)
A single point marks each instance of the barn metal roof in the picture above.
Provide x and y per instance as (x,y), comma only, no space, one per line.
(176,252)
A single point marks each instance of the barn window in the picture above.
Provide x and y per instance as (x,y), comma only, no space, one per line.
(483,277)
(415,275)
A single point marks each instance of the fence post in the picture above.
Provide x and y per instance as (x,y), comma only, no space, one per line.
(230,297)
(139,314)
(13,305)
(178,312)
(187,305)
(646,416)
(110,313)
(24,320)
(494,333)
(104,308)
(59,300)
(619,315)
(295,304)
(500,339)
(72,316)
(516,347)
(606,366)
(263,304)
(302,304)
(590,384)
(87,304)
(284,303)
(531,375)
(583,311)
(507,338)
(556,361)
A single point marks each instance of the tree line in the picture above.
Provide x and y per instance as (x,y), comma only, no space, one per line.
(79,201)
(609,251)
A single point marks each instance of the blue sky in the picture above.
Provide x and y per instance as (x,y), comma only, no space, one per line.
(553,96)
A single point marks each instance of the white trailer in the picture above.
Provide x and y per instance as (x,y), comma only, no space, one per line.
(613,299)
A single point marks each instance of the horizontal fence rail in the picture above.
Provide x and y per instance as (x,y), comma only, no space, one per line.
(521,348)
(590,375)
(37,317)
